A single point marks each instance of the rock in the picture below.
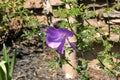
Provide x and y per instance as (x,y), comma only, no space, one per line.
(114,37)
(98,5)
(93,64)
(117,0)
(114,21)
(56,2)
(95,23)
(115,14)
(39,3)
(33,4)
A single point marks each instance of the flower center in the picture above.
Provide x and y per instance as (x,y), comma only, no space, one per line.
(64,35)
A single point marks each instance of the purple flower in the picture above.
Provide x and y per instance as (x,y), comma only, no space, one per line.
(56,38)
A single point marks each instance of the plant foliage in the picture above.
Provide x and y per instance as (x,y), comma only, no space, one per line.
(7,65)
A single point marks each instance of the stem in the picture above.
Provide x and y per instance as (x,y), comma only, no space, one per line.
(95,30)
(71,27)
(107,3)
(63,57)
(71,62)
(109,28)
(104,65)
(108,18)
(95,14)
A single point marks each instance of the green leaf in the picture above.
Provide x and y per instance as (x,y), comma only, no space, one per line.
(13,63)
(5,55)
(2,65)
(6,58)
(3,71)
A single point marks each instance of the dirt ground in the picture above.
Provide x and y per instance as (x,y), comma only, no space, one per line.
(32,61)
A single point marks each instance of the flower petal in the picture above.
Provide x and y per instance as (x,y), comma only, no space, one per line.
(65,31)
(56,38)
(53,44)
(73,45)
(61,47)
(51,39)
(53,32)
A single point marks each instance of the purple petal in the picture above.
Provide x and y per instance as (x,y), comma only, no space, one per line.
(53,32)
(53,39)
(73,46)
(53,44)
(56,38)
(65,31)
(61,47)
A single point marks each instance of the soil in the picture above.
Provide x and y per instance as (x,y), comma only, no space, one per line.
(32,61)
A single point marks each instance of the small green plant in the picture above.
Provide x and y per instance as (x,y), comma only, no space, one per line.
(7,65)
(84,69)
(12,18)
(54,63)
(31,29)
